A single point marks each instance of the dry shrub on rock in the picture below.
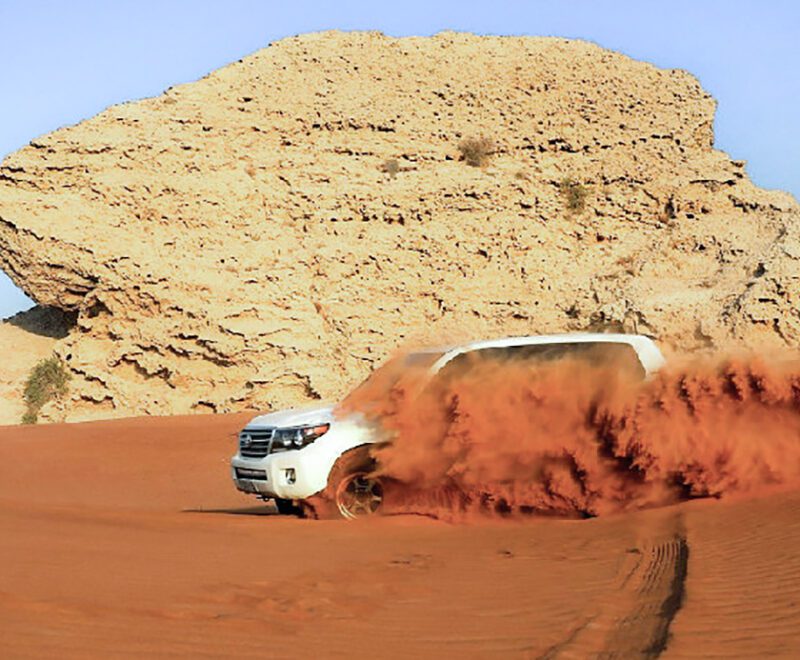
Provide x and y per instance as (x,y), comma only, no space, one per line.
(476,151)
(574,195)
(47,381)
(391,167)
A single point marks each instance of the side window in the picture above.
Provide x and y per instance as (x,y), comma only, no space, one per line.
(608,355)
(455,368)
(620,357)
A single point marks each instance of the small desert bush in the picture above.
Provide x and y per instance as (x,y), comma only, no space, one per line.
(476,151)
(391,167)
(29,417)
(47,381)
(574,195)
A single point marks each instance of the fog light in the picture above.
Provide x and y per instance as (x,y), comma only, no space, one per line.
(291,477)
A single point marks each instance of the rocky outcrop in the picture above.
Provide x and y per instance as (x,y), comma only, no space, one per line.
(241,242)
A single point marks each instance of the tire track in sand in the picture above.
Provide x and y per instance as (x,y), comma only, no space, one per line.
(635,621)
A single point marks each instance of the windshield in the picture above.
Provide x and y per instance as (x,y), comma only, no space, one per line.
(399,376)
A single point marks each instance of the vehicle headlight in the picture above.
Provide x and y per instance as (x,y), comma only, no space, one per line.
(296,438)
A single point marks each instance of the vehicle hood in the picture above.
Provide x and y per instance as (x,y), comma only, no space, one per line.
(310,416)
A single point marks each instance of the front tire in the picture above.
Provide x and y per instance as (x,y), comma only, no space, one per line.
(353,491)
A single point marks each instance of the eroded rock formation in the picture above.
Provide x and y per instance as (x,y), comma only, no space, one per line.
(240,241)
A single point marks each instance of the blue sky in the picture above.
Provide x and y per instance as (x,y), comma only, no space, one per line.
(65,61)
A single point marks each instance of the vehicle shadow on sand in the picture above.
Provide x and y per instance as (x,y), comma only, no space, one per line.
(239,511)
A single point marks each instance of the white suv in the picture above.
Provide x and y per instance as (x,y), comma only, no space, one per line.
(316,462)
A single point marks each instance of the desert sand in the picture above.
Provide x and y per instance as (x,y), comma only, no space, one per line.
(126,539)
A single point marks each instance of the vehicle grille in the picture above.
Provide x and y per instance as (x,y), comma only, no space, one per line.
(255,443)
(253,475)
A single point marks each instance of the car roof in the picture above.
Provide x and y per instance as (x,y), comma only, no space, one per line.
(648,353)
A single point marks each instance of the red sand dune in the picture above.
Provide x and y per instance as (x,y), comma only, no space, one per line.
(126,539)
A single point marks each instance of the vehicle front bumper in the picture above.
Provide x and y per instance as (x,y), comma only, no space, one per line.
(292,475)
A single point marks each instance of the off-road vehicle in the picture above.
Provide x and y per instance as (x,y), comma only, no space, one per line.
(317,460)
